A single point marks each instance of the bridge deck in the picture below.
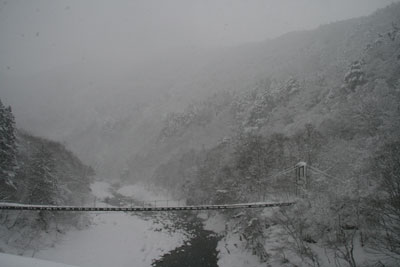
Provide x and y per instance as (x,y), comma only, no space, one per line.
(15,206)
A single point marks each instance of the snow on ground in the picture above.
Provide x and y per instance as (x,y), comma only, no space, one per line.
(138,192)
(214,223)
(141,193)
(8,260)
(231,250)
(115,239)
(232,253)
(101,190)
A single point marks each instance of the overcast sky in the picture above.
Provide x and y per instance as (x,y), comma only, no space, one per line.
(40,34)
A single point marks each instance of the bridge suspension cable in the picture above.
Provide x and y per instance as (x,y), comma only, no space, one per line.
(322,172)
(280,173)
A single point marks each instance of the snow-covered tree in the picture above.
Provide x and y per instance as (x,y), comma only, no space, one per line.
(43,184)
(387,168)
(8,151)
(355,76)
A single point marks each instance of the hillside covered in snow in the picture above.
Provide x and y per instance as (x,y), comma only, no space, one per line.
(37,171)
(329,97)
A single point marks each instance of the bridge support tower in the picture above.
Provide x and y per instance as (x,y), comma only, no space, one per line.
(301,182)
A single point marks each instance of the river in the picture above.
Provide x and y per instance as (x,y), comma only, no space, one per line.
(140,240)
(199,251)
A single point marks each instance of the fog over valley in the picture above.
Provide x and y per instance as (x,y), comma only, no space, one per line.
(70,65)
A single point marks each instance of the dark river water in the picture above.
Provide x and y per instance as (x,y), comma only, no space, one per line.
(199,251)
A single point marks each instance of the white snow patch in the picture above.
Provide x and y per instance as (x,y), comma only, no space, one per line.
(8,260)
(139,192)
(101,190)
(116,239)
(215,223)
(231,250)
(232,253)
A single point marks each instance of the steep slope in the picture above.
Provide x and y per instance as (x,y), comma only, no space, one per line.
(283,84)
(116,102)
(329,97)
(45,173)
(38,158)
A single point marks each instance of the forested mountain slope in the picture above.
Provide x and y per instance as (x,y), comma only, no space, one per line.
(108,111)
(329,97)
(338,78)
(37,171)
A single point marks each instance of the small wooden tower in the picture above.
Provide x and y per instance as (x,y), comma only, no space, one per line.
(301,178)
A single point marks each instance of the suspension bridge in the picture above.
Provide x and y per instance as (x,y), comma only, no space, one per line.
(301,183)
(11,206)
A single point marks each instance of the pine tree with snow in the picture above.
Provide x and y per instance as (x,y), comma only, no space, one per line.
(43,184)
(355,76)
(8,152)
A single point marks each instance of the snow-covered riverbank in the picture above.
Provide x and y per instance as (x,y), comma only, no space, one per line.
(115,239)
(231,249)
(10,260)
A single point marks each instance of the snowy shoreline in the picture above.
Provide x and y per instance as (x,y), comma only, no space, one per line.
(115,239)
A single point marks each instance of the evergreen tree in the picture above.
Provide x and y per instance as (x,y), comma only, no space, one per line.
(43,186)
(8,152)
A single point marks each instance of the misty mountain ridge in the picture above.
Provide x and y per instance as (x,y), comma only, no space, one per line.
(138,96)
(303,85)
(331,102)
